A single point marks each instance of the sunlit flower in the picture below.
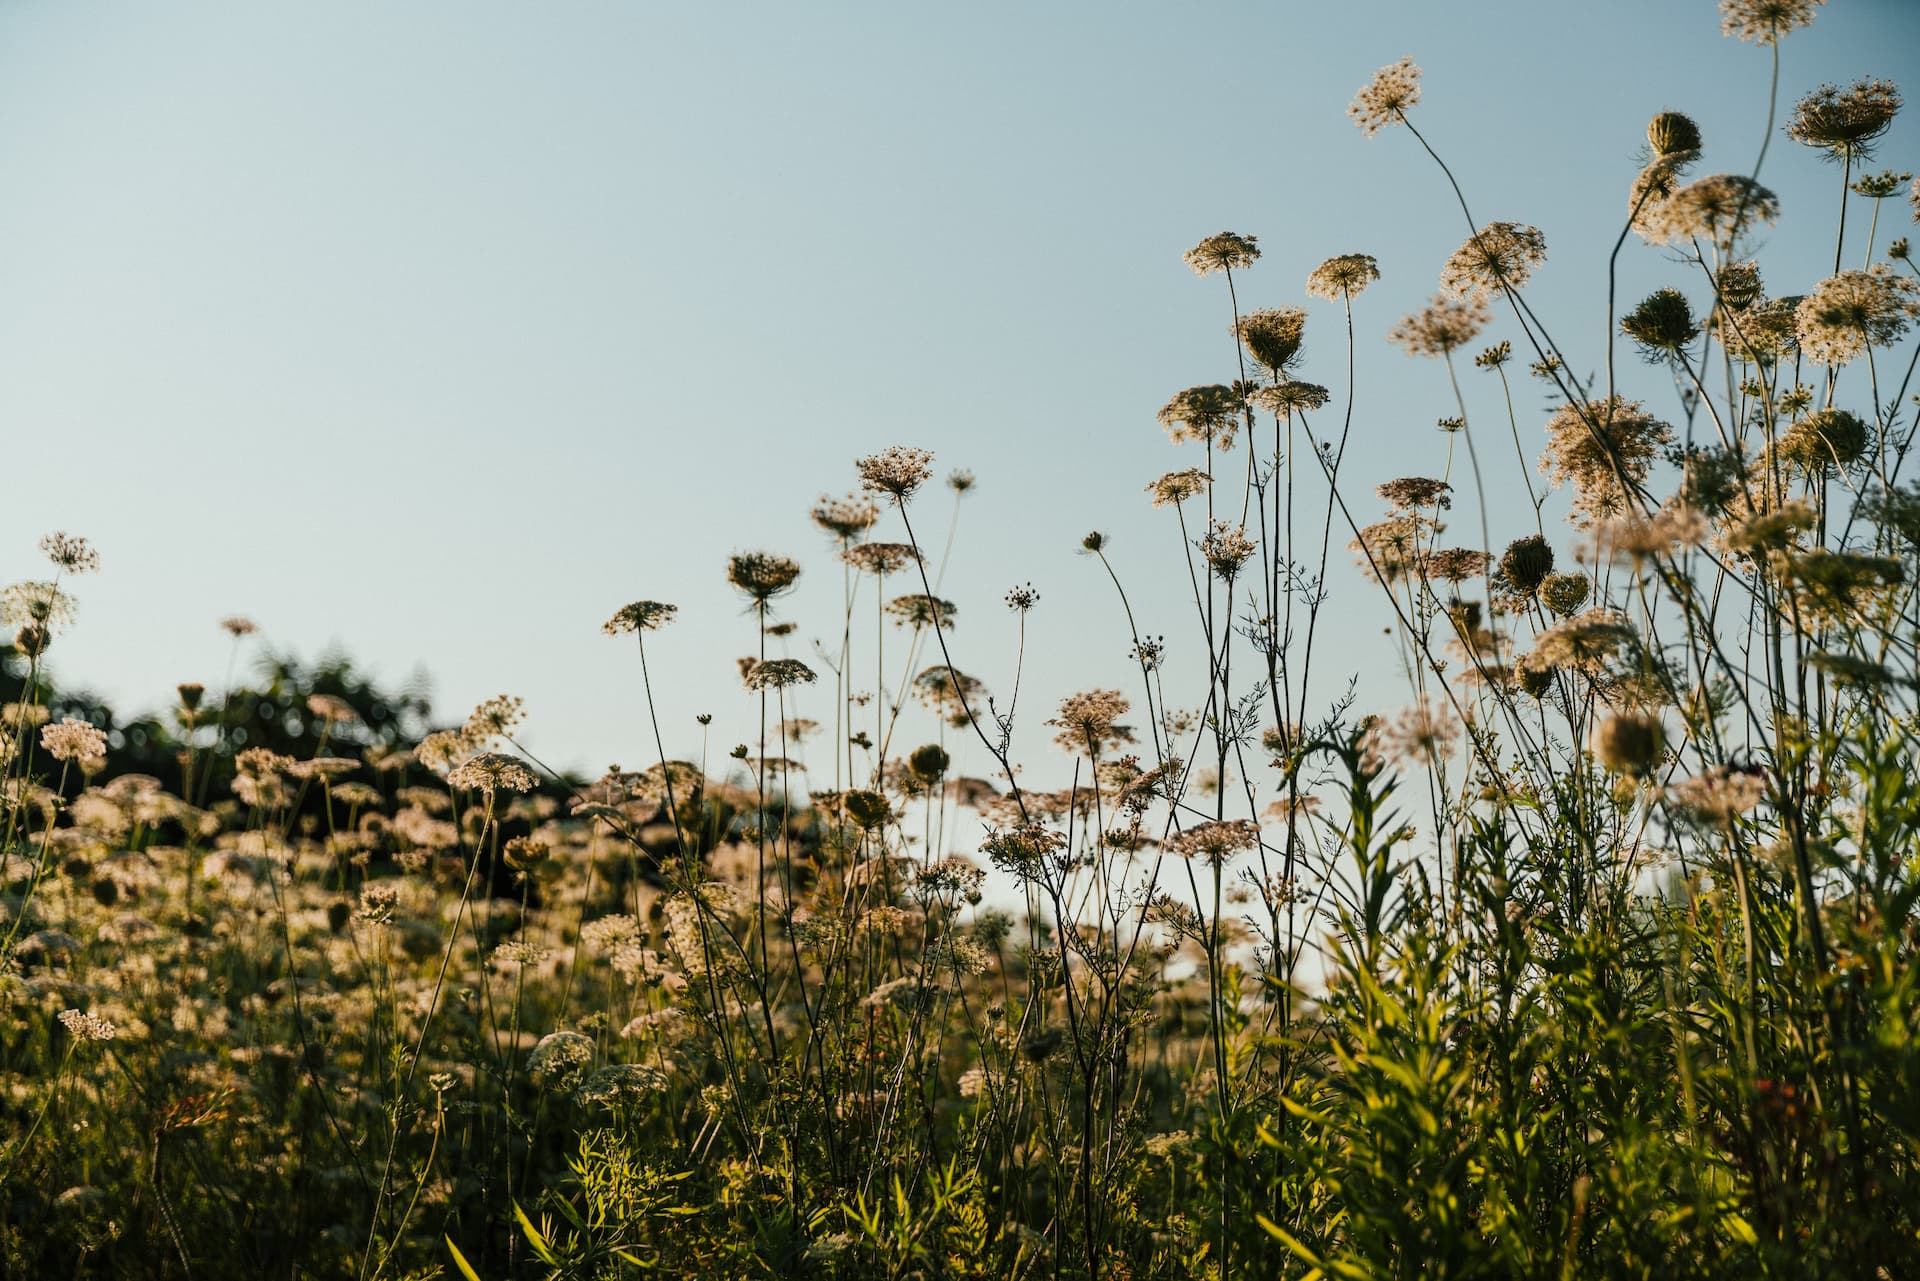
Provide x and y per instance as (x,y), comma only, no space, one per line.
(1628,743)
(619,1083)
(1205,414)
(1216,841)
(1291,397)
(1880,186)
(493,719)
(881,558)
(331,708)
(324,767)
(1825,441)
(1501,255)
(897,470)
(1226,547)
(1391,549)
(640,616)
(922,611)
(1177,486)
(1605,448)
(1343,276)
(1087,721)
(1421,734)
(845,518)
(1831,586)
(560,1059)
(1845,122)
(1456,564)
(1636,538)
(1587,643)
(1408,493)
(41,605)
(1847,313)
(74,740)
(378,902)
(1762,333)
(492,771)
(519,954)
(948,692)
(1443,326)
(1384,99)
(1222,251)
(72,553)
(1765,21)
(1718,795)
(779,673)
(83,1026)
(1716,208)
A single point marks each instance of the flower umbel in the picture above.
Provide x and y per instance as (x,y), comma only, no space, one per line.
(897,470)
(1222,251)
(640,616)
(1384,99)
(1343,277)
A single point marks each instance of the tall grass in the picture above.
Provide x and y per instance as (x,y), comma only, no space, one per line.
(1594,958)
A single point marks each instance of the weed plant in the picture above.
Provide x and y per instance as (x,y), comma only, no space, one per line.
(1594,959)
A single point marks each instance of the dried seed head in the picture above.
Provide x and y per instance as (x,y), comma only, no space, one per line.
(929,763)
(1739,284)
(761,576)
(1222,251)
(1273,336)
(1662,324)
(1526,563)
(867,808)
(1671,134)
(1563,594)
(1629,743)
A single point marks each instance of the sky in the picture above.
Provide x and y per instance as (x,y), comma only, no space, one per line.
(436,332)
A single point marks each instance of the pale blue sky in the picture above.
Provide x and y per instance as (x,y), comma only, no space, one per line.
(440,330)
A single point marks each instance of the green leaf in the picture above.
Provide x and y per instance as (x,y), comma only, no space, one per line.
(534,1239)
(460,1261)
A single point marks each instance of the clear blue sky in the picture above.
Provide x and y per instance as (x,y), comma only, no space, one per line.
(440,330)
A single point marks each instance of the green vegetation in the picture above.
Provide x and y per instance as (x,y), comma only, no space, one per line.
(1595,959)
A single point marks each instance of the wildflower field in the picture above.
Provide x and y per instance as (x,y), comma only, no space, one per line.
(1581,944)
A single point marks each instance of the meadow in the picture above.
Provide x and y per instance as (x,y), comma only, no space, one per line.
(1592,955)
